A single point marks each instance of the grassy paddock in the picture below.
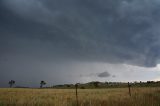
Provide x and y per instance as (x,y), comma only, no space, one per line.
(86,97)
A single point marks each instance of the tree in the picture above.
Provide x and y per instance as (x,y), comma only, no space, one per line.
(11,83)
(96,84)
(42,83)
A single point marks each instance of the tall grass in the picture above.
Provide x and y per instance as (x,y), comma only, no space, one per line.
(86,97)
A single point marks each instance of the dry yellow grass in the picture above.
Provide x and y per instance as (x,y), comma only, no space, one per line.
(86,97)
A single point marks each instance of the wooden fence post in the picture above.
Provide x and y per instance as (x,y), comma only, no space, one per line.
(129,89)
(76,85)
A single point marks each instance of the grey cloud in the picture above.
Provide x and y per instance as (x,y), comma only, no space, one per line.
(100,75)
(105,31)
(113,76)
(104,74)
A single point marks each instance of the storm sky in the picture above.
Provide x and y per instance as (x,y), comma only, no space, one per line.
(69,41)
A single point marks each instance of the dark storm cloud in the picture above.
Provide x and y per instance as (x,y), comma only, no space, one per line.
(104,74)
(106,30)
(112,31)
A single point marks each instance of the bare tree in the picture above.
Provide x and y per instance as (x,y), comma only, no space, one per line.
(42,83)
(11,83)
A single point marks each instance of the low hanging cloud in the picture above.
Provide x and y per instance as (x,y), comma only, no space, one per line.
(104,74)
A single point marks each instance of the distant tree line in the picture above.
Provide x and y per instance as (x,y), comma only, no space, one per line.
(96,84)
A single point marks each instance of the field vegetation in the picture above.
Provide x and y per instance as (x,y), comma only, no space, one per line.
(140,96)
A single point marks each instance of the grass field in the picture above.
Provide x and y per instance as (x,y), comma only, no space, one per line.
(86,97)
